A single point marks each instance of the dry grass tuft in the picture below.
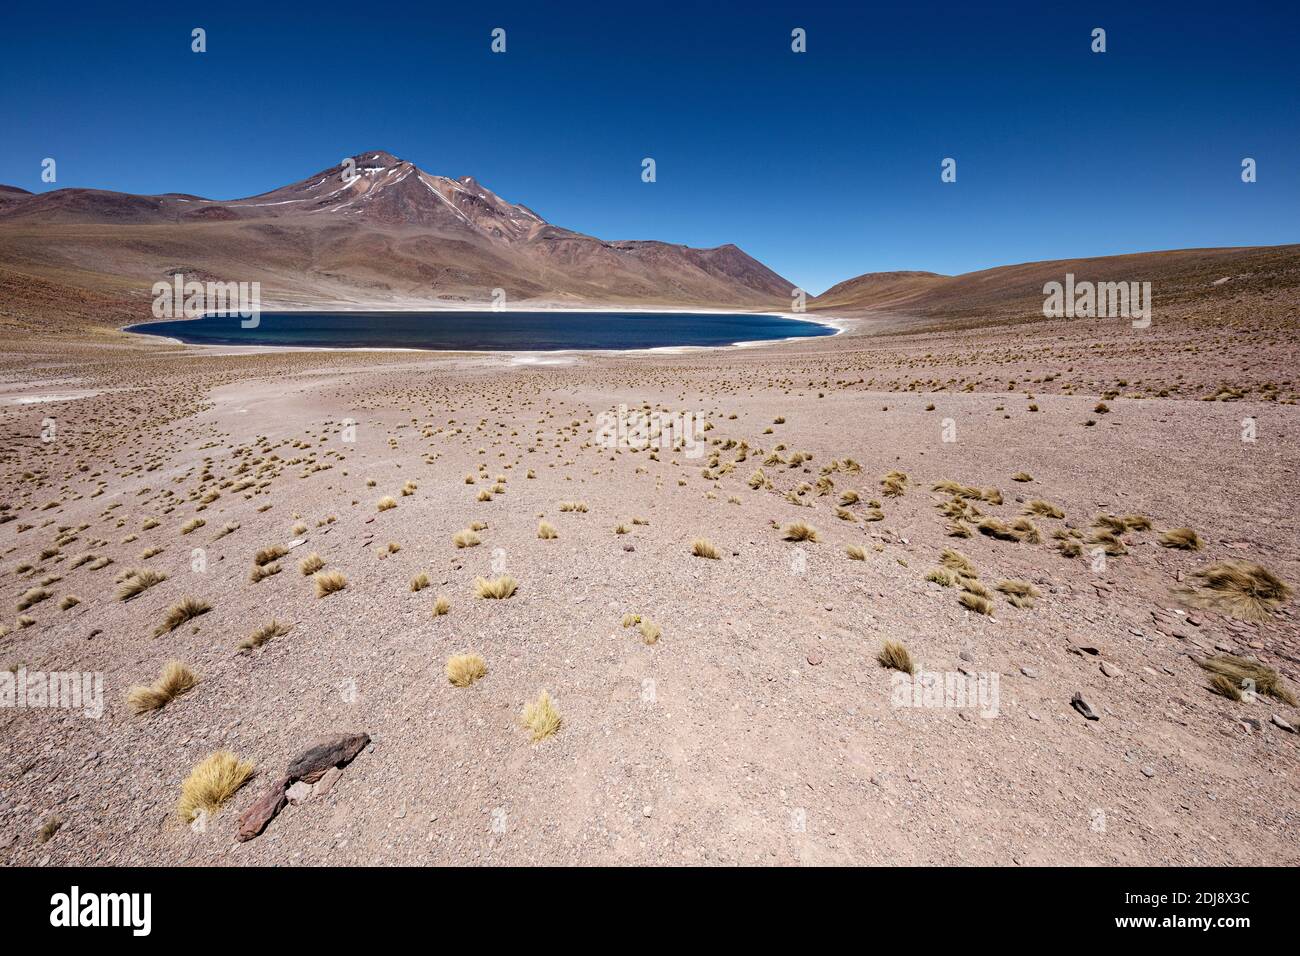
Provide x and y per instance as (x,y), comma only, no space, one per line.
(798,531)
(1241,589)
(1044,509)
(386,503)
(465,669)
(976,603)
(541,717)
(32,596)
(175,680)
(187,609)
(1242,673)
(895,656)
(327,582)
(946,577)
(954,559)
(995,528)
(1019,593)
(212,782)
(261,573)
(856,552)
(136,581)
(703,548)
(893,484)
(497,589)
(1184,539)
(650,631)
(466,539)
(546,531)
(311,564)
(420,582)
(267,555)
(441,605)
(1225,686)
(266,632)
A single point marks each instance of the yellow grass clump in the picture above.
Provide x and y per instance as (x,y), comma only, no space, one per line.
(184,610)
(896,657)
(213,781)
(175,680)
(495,589)
(311,564)
(1240,589)
(1241,673)
(386,503)
(546,531)
(1019,593)
(1184,539)
(267,555)
(138,580)
(650,631)
(466,539)
(540,717)
(798,531)
(976,602)
(327,582)
(441,605)
(703,548)
(264,633)
(465,669)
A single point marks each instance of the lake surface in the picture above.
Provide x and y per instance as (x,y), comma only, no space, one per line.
(488,331)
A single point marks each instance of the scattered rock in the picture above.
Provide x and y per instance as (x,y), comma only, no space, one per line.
(254,820)
(814,659)
(311,764)
(1279,722)
(1110,670)
(1148,771)
(299,793)
(326,783)
(1079,703)
(1029,672)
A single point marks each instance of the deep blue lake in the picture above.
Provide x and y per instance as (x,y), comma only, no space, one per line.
(487,331)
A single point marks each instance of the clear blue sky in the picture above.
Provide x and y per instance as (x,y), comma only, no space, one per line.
(824,165)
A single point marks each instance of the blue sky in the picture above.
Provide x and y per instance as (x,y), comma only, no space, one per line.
(824,165)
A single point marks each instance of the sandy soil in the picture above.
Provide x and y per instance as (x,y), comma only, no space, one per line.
(760,728)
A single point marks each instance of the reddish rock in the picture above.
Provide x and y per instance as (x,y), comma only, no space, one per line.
(254,820)
(311,764)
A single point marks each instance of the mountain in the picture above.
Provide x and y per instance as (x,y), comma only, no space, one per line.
(377,232)
(1015,292)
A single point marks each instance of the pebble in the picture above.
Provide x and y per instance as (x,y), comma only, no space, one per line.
(1029,672)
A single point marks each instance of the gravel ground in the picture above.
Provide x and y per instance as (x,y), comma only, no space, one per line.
(760,727)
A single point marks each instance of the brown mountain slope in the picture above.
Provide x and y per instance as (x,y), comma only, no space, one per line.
(387,233)
(1015,292)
